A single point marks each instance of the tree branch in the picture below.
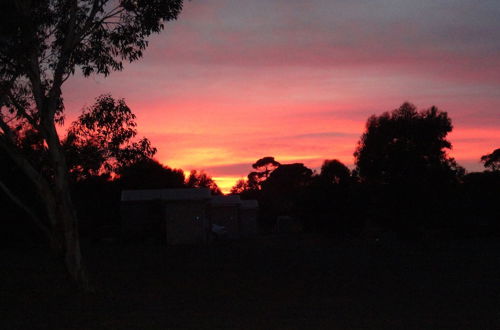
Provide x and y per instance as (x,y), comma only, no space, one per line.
(26,209)
(20,109)
(55,90)
(36,83)
(42,186)
(7,130)
(89,21)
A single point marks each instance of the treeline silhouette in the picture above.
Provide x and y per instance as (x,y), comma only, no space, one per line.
(403,181)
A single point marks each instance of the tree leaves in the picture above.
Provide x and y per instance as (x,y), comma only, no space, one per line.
(100,141)
(405,145)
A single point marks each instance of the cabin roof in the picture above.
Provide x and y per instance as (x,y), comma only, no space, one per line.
(179,194)
(249,204)
(225,200)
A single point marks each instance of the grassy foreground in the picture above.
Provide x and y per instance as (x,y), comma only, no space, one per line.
(273,282)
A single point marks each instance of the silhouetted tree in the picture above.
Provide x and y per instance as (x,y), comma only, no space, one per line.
(492,161)
(100,142)
(42,44)
(264,167)
(479,209)
(289,176)
(406,146)
(246,189)
(150,174)
(333,171)
(283,185)
(403,156)
(202,180)
(240,186)
(328,204)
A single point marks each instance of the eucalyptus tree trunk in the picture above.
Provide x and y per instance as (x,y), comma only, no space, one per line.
(66,232)
(61,229)
(42,43)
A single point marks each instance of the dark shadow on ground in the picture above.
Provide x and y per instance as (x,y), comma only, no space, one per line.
(274,282)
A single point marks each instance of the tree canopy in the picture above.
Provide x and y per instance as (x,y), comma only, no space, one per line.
(150,174)
(42,44)
(264,167)
(406,145)
(200,179)
(492,161)
(101,142)
(333,171)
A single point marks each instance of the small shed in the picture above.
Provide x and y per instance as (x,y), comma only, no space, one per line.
(249,210)
(288,224)
(224,211)
(179,215)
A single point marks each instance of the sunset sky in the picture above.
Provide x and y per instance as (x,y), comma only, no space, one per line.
(232,81)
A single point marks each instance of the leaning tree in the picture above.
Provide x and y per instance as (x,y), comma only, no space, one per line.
(42,44)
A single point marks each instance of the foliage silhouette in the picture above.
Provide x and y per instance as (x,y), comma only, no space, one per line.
(479,210)
(246,189)
(264,167)
(492,161)
(202,180)
(333,171)
(100,142)
(240,187)
(150,174)
(42,44)
(404,182)
(282,189)
(288,177)
(403,154)
(406,146)
(328,203)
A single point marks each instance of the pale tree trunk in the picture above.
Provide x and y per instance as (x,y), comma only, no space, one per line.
(61,229)
(45,84)
(67,223)
(65,230)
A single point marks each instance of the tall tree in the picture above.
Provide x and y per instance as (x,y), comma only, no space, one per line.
(403,155)
(406,146)
(42,44)
(281,189)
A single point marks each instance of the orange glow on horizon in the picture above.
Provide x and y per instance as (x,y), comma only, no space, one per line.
(225,183)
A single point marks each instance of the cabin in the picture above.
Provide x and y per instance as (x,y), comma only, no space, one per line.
(249,211)
(224,211)
(286,224)
(186,216)
(178,216)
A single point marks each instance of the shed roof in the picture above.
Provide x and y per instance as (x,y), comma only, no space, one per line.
(225,200)
(249,204)
(179,194)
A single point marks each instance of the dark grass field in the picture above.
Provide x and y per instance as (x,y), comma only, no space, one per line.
(272,282)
